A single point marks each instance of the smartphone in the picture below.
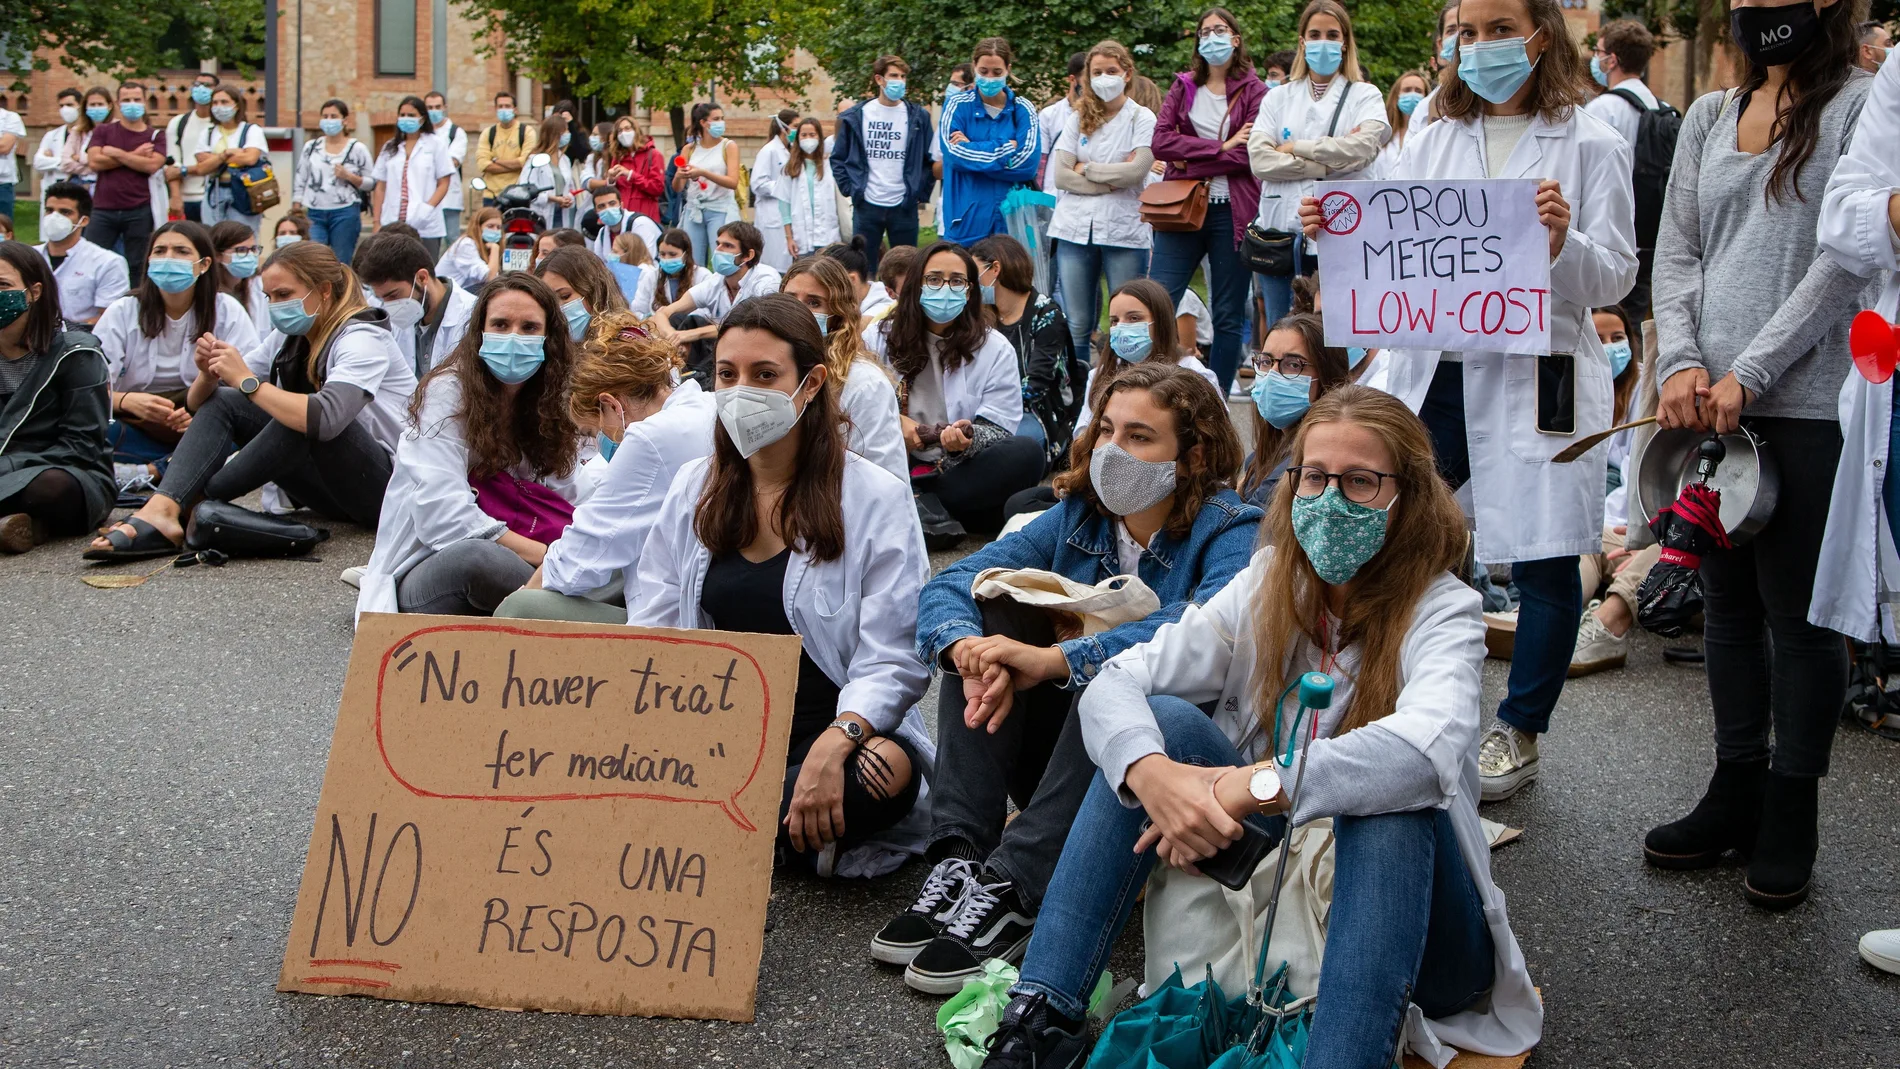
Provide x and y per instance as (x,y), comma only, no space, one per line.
(1557,394)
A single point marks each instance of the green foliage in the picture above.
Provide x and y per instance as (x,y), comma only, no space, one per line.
(669,48)
(126,38)
(1393,36)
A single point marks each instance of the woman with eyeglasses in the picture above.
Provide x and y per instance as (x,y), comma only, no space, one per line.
(1511,108)
(1295,368)
(960,395)
(1146,493)
(1198,740)
(240,253)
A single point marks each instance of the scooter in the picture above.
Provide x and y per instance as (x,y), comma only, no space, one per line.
(520,224)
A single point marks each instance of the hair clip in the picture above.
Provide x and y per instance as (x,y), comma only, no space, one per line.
(633,332)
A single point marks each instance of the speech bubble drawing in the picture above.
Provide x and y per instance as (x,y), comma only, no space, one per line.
(689,717)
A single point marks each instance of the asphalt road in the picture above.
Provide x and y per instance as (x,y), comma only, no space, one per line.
(161,751)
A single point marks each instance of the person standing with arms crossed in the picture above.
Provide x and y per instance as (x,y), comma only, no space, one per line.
(504,148)
(991,143)
(125,154)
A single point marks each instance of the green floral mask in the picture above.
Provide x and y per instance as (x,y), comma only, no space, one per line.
(1339,536)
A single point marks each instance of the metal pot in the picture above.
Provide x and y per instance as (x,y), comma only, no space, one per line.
(1747,478)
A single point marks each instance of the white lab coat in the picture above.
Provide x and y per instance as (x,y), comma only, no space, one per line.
(1208,656)
(813,205)
(133,359)
(558,176)
(768,168)
(1859,569)
(425,165)
(651,296)
(1525,507)
(869,401)
(465,263)
(610,530)
(857,614)
(90,278)
(987,386)
(430,505)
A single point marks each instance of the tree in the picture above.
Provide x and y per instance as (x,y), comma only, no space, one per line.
(128,38)
(1393,36)
(667,49)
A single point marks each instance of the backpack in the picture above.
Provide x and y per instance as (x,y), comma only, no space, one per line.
(1655,154)
(254,188)
(521,137)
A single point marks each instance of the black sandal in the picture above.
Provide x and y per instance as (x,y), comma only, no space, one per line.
(147,542)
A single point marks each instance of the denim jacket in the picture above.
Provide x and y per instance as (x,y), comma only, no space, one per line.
(1075,540)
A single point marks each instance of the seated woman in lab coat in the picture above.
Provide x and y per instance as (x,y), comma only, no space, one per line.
(626,389)
(488,470)
(866,396)
(1357,585)
(782,505)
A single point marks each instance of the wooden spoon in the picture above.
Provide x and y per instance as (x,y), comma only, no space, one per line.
(1584,445)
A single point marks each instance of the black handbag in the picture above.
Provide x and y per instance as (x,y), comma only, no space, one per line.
(1271,252)
(239,532)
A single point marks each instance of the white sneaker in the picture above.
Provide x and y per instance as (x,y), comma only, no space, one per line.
(133,478)
(353,576)
(1241,389)
(1597,649)
(1882,950)
(1507,760)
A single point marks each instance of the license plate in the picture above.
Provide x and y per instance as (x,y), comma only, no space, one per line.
(515,259)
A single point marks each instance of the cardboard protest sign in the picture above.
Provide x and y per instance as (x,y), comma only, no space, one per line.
(546,815)
(1435,265)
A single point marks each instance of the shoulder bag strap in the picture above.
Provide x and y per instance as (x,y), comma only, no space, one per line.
(1344,92)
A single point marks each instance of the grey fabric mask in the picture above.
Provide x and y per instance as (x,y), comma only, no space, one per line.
(1126,484)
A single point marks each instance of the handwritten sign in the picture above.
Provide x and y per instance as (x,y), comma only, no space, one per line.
(548,816)
(1435,265)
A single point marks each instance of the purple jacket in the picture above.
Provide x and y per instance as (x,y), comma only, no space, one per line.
(1189,155)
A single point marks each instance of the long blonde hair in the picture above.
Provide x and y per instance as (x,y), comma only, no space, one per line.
(1092,111)
(1425,538)
(1349,52)
(313,264)
(843,340)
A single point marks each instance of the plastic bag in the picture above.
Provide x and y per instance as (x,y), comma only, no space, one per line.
(969,1019)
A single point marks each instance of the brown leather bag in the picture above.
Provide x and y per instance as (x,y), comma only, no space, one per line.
(1177,204)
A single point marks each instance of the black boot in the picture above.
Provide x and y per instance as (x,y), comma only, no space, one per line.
(1725,819)
(1781,869)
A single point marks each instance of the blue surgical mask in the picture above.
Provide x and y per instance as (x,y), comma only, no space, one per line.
(1282,399)
(1496,70)
(172,276)
(566,138)
(504,115)
(1408,102)
(1323,57)
(201,95)
(989,295)
(408,124)
(1273,83)
(243,265)
(824,321)
(673,266)
(1354,354)
(1339,536)
(1619,354)
(1596,71)
(513,358)
(288,239)
(491,236)
(943,303)
(594,142)
(577,318)
(98,112)
(894,88)
(716,128)
(725,263)
(1448,47)
(612,216)
(330,127)
(990,87)
(290,317)
(437,116)
(132,110)
(607,446)
(1131,341)
(223,112)
(1217,48)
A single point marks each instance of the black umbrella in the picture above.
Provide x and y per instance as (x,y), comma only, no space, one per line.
(1671,594)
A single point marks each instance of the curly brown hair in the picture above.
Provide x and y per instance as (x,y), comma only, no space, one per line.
(1209,449)
(536,426)
(622,359)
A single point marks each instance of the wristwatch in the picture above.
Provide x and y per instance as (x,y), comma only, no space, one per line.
(851,728)
(248,385)
(1264,784)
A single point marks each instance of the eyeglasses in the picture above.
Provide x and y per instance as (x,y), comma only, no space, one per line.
(243,250)
(959,283)
(1292,364)
(1359,485)
(1214,30)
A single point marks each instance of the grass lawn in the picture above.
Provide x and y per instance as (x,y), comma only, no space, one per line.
(26,220)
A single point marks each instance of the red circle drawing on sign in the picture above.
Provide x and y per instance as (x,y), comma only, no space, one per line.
(1339,213)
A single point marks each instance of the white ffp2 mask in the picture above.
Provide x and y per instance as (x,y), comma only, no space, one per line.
(756,416)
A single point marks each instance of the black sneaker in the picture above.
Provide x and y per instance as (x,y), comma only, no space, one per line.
(990,922)
(1032,1036)
(913,929)
(941,530)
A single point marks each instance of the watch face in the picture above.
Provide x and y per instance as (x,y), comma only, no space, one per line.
(1264,785)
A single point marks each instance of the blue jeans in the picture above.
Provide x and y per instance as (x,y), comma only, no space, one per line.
(1177,254)
(1080,269)
(6,199)
(704,233)
(338,228)
(875,223)
(1550,591)
(133,446)
(1406,921)
(217,208)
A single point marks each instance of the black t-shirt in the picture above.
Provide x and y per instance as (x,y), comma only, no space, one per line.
(742,596)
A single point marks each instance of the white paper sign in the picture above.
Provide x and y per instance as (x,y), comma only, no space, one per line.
(1435,265)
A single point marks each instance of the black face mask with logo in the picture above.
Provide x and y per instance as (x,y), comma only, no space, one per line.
(1774,36)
